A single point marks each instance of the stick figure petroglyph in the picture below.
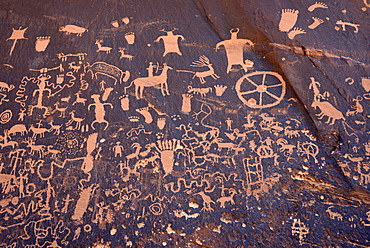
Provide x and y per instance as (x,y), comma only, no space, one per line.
(41,83)
(118,149)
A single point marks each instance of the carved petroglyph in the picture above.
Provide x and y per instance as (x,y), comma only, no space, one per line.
(344,24)
(334,215)
(269,92)
(234,51)
(108,70)
(99,111)
(288,19)
(170,41)
(122,51)
(295,31)
(73,29)
(299,228)
(202,62)
(102,48)
(316,22)
(42,43)
(18,34)
(83,202)
(202,91)
(327,110)
(317,5)
(141,83)
(186,103)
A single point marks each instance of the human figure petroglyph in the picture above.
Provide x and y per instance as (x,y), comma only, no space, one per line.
(117,149)
(229,123)
(234,50)
(170,41)
(288,19)
(344,24)
(141,83)
(202,62)
(99,111)
(41,84)
(22,114)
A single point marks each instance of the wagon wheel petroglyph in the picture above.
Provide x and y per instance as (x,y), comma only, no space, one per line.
(269,92)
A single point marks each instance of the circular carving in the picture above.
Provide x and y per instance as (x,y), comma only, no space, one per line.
(261,89)
(6,116)
(156,208)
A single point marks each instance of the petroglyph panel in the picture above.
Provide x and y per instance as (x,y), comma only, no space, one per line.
(184,124)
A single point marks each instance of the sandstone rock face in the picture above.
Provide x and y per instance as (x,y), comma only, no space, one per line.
(184,123)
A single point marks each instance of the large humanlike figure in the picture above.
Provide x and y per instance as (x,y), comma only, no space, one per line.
(234,50)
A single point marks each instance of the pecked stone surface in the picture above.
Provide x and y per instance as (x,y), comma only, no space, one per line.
(184,124)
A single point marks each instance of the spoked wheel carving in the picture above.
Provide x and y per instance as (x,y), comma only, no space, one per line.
(261,89)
